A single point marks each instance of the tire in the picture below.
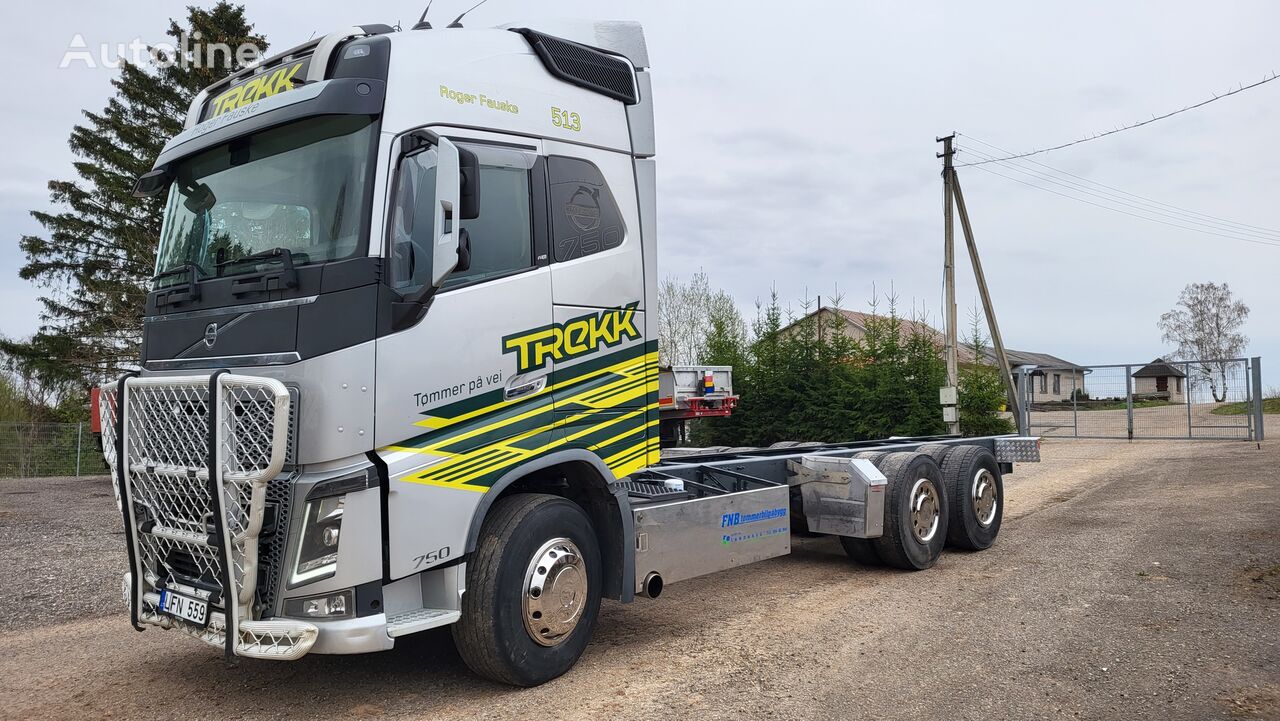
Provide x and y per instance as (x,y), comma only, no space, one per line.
(502,577)
(937,451)
(912,541)
(876,457)
(976,492)
(861,550)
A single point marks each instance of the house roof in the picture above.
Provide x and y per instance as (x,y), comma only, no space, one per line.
(1158,368)
(1018,358)
(965,353)
(906,328)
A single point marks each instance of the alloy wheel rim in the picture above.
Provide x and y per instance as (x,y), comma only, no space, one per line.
(555,592)
(986,497)
(925,510)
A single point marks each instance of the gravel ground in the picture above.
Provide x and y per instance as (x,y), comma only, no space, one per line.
(1131,581)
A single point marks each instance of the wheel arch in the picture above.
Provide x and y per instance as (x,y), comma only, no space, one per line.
(580,476)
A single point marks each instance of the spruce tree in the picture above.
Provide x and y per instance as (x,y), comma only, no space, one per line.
(97,254)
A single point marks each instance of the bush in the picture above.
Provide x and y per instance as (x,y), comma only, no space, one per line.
(982,396)
(811,382)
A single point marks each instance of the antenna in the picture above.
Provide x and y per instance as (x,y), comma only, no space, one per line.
(422,23)
(457,23)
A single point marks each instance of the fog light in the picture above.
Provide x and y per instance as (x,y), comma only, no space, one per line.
(333,605)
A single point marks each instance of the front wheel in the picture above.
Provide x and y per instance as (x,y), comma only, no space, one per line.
(533,591)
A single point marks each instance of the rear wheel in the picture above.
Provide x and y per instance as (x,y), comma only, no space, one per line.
(973,480)
(876,457)
(937,451)
(533,591)
(915,512)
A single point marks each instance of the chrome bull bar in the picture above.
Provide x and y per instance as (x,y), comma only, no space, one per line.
(193,456)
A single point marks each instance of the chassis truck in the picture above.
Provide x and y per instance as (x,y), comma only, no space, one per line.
(399,368)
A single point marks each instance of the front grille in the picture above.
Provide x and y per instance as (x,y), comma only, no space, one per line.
(184,568)
(271,551)
(171,486)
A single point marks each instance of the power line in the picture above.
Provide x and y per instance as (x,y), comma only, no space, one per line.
(1176,214)
(1179,209)
(1125,212)
(1131,126)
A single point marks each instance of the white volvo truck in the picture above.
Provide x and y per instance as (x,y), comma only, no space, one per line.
(400,368)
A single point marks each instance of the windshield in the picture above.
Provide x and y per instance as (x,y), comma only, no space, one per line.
(300,187)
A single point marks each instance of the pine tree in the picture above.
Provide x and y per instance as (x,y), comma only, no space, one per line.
(97,254)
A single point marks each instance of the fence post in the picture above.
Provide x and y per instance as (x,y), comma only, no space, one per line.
(79,444)
(1075,413)
(1128,397)
(1022,411)
(1186,395)
(1255,365)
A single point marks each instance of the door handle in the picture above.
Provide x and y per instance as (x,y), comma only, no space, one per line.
(524,388)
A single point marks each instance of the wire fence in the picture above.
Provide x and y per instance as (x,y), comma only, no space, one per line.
(1160,399)
(32,450)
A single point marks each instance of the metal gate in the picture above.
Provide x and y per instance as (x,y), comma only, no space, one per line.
(1208,399)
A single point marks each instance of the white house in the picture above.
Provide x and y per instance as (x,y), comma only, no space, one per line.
(1162,380)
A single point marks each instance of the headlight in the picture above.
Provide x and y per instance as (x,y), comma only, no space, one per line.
(317,555)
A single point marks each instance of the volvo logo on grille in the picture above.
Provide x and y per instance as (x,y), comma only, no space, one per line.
(210,335)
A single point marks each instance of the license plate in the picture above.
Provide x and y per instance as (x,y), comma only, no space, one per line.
(184,607)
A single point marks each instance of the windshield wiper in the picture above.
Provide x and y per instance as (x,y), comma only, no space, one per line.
(191,268)
(286,278)
(180,292)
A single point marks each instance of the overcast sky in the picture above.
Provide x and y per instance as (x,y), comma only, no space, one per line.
(796,146)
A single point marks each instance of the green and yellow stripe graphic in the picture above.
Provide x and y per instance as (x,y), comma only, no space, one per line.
(607,405)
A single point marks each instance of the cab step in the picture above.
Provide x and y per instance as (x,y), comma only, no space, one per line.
(419,619)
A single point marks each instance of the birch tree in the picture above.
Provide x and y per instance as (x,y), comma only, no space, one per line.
(1205,326)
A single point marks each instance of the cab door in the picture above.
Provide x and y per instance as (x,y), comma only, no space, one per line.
(606,374)
(456,405)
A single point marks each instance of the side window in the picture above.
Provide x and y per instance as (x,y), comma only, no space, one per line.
(584,217)
(502,235)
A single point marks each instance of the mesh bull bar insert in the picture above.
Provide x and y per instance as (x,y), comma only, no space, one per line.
(194,456)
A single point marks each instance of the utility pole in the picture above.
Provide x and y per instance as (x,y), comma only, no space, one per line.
(1015,403)
(948,395)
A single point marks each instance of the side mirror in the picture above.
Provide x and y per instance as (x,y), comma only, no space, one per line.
(151,183)
(447,206)
(201,199)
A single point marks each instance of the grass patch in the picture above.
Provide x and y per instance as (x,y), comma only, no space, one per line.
(1113,405)
(1120,405)
(1269,405)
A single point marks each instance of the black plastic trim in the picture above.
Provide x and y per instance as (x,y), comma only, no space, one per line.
(583,65)
(385,486)
(219,518)
(364,480)
(368,599)
(126,503)
(342,96)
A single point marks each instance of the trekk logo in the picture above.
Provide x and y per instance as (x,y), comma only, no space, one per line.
(577,337)
(264,85)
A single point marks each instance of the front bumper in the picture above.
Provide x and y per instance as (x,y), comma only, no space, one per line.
(280,639)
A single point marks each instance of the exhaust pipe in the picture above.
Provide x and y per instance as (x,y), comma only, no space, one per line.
(652,586)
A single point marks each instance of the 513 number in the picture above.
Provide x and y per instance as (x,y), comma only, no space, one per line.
(565,119)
